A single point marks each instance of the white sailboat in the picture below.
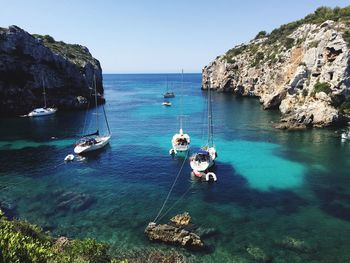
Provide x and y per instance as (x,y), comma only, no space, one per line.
(180,141)
(205,157)
(94,141)
(38,112)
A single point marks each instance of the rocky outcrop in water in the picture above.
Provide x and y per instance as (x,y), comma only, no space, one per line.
(175,232)
(27,62)
(301,68)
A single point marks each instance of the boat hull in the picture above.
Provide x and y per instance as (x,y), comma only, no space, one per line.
(101,142)
(42,112)
(202,166)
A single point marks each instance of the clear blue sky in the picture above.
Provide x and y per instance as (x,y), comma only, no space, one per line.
(155,36)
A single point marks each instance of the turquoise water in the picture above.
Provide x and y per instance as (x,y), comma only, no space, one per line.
(280,195)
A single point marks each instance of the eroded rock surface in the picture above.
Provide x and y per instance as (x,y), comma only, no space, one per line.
(306,74)
(27,62)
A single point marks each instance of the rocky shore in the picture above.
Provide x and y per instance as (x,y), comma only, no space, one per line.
(27,62)
(301,68)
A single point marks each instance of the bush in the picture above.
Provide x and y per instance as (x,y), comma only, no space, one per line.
(305,92)
(346,37)
(322,87)
(261,34)
(258,57)
(21,241)
(345,106)
(289,42)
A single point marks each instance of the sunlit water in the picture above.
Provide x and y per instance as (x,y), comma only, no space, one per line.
(272,185)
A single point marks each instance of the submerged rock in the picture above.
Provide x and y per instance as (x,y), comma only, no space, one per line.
(181,219)
(74,201)
(175,234)
(258,254)
(295,244)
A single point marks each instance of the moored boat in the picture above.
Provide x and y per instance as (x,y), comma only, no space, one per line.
(94,141)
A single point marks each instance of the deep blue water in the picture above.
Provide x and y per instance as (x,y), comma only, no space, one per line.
(274,187)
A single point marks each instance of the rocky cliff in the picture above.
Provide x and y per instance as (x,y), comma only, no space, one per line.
(27,62)
(302,68)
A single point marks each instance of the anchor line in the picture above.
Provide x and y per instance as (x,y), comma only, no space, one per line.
(176,202)
(171,189)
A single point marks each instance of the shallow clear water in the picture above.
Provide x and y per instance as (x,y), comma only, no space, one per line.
(272,185)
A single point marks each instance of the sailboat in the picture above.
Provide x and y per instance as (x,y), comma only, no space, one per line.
(94,141)
(168,94)
(37,112)
(180,141)
(205,157)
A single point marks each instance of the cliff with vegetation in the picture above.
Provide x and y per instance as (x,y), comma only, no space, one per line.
(301,68)
(27,62)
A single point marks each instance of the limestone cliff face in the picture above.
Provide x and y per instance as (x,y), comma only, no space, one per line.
(301,68)
(27,62)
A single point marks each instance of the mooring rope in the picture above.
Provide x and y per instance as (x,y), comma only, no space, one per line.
(171,189)
(176,202)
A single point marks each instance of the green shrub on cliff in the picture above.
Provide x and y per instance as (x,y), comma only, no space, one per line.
(346,37)
(261,34)
(233,52)
(319,16)
(322,87)
(345,107)
(258,57)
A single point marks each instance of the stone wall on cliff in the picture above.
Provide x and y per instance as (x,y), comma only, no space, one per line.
(305,73)
(27,62)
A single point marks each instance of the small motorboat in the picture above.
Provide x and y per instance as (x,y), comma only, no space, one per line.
(166,103)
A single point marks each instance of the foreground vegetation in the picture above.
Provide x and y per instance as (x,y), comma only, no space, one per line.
(21,241)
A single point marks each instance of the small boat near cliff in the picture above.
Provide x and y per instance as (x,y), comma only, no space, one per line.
(346,135)
(205,157)
(94,141)
(44,111)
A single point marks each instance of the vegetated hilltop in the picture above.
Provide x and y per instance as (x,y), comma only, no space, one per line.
(27,62)
(302,68)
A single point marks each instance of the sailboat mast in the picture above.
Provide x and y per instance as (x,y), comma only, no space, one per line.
(44,93)
(182,87)
(167,88)
(96,102)
(210,119)
(104,112)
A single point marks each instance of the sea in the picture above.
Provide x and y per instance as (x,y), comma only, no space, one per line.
(280,196)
